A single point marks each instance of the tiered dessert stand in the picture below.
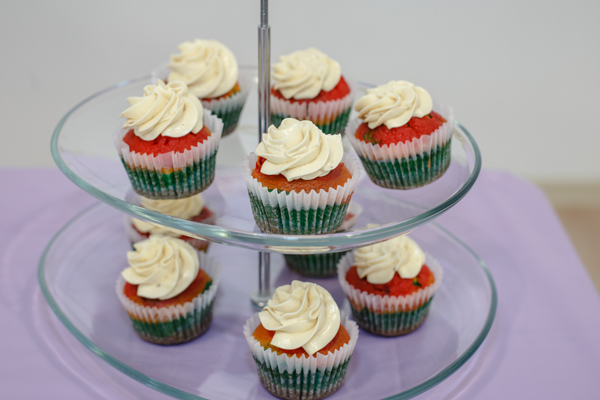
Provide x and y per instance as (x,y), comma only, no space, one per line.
(80,266)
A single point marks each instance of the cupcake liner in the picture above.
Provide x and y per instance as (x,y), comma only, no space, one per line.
(314,265)
(305,378)
(135,236)
(410,164)
(323,265)
(389,315)
(230,108)
(299,213)
(330,116)
(174,324)
(173,175)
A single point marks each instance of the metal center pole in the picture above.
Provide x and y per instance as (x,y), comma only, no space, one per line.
(259,300)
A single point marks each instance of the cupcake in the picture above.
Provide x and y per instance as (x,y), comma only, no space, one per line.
(323,265)
(308,85)
(210,71)
(299,181)
(301,343)
(168,144)
(390,285)
(401,141)
(191,208)
(168,290)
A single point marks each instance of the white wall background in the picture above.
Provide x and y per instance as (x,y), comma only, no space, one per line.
(523,76)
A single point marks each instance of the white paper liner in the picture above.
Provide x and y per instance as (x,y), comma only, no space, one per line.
(387,304)
(302,200)
(284,362)
(135,236)
(165,314)
(424,144)
(172,161)
(231,103)
(321,112)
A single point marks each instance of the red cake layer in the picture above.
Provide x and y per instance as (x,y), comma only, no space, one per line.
(414,128)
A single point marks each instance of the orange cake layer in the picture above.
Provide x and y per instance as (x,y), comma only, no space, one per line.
(336,177)
(195,288)
(396,287)
(338,92)
(413,129)
(265,336)
(164,144)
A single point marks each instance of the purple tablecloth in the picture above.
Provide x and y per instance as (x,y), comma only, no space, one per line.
(543,344)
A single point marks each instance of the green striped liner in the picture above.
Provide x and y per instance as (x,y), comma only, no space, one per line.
(176,184)
(297,385)
(230,118)
(314,265)
(391,323)
(178,330)
(312,221)
(411,172)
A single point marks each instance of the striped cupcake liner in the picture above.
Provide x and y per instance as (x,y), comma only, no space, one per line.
(314,265)
(330,116)
(229,109)
(389,315)
(300,213)
(173,175)
(174,324)
(302,378)
(406,165)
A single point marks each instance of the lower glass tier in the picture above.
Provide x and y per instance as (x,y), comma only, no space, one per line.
(78,273)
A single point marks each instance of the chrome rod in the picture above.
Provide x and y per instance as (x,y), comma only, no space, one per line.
(264,85)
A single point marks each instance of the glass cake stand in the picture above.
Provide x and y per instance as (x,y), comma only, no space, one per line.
(82,147)
(78,272)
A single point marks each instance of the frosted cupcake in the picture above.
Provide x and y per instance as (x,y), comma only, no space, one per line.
(308,85)
(401,141)
(323,265)
(168,290)
(191,208)
(299,180)
(210,71)
(168,144)
(301,343)
(390,285)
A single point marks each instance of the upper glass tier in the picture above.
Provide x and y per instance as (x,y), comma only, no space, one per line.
(82,147)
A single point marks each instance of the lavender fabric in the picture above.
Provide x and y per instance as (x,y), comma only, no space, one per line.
(543,343)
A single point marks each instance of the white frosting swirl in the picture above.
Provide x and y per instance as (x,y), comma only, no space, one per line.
(304,73)
(167,110)
(302,314)
(208,68)
(379,262)
(162,266)
(299,150)
(185,208)
(393,104)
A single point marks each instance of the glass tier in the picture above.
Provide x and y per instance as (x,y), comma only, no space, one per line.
(82,146)
(78,273)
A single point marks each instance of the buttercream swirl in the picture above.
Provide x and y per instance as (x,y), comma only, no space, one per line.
(167,110)
(162,266)
(299,150)
(304,73)
(379,262)
(185,208)
(302,314)
(208,67)
(393,104)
